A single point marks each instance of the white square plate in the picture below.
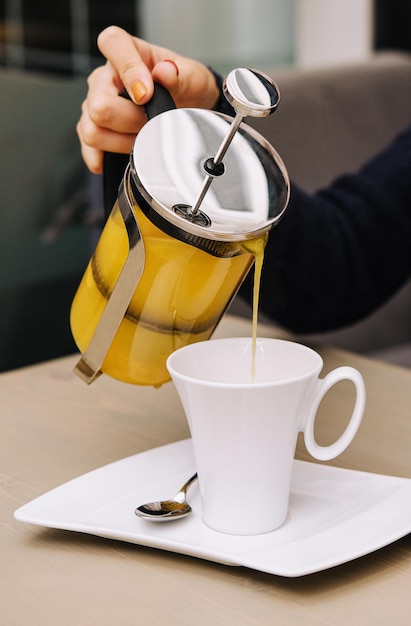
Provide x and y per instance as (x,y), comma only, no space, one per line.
(335,515)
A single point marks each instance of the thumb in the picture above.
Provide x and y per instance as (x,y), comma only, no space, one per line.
(166,73)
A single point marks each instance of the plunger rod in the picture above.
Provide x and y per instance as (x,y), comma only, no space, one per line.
(217,160)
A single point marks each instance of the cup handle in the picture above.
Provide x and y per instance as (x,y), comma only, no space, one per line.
(325,453)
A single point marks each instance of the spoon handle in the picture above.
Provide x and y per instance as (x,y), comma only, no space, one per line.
(188,484)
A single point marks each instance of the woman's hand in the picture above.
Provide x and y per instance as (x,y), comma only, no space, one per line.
(109,123)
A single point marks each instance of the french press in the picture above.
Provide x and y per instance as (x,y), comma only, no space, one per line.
(200,189)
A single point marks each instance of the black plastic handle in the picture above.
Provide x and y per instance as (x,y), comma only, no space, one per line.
(114,164)
(159,103)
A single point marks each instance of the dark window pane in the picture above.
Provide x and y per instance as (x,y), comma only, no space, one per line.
(47,26)
(392,25)
(47,35)
(2,31)
(103,13)
(59,36)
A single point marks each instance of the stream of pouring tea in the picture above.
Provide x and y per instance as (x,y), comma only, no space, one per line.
(256,247)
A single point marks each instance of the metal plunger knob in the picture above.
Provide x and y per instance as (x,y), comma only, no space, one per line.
(250,93)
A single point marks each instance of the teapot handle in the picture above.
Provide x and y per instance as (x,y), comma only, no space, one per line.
(114,164)
(160,102)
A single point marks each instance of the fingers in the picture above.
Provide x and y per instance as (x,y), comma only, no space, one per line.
(109,122)
(96,142)
(104,106)
(95,138)
(93,158)
(126,58)
(137,63)
(190,83)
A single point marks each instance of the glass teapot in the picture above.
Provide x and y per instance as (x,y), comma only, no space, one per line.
(200,189)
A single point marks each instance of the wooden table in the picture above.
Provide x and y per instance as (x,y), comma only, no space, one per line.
(54,428)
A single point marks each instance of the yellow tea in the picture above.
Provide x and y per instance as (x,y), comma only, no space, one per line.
(180,298)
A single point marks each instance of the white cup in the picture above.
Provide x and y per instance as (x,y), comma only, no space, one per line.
(244,428)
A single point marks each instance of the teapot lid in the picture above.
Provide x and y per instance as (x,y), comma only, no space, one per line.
(174,167)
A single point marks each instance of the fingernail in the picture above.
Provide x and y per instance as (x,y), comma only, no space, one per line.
(173,63)
(139,90)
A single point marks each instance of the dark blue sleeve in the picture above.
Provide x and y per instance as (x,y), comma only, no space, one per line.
(338,254)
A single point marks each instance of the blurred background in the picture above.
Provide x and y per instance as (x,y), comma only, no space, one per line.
(50,207)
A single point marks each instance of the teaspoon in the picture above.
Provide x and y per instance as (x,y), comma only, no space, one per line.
(166,510)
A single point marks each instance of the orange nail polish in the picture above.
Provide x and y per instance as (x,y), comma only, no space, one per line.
(138,90)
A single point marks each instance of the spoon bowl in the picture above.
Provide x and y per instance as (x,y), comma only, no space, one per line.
(167,510)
